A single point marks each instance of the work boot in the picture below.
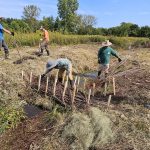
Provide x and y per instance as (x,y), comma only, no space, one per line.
(41,52)
(48,53)
(99,73)
(6,55)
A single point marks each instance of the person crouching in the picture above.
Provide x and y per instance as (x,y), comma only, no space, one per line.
(62,64)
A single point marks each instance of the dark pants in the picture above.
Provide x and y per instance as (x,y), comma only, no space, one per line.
(44,45)
(3,44)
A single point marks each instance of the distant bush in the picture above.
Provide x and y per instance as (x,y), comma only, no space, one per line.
(32,39)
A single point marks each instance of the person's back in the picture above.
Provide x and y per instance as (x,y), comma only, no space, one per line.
(63,62)
(104,55)
(46,35)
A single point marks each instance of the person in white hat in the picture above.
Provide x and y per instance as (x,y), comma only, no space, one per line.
(44,41)
(104,54)
(2,42)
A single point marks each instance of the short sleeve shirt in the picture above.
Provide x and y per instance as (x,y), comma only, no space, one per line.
(1,32)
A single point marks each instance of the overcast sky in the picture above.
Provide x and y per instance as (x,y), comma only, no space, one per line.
(109,13)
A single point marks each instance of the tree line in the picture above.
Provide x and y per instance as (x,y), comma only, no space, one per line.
(69,21)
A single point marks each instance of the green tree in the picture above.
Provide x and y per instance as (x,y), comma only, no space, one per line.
(19,25)
(57,24)
(67,13)
(86,23)
(144,31)
(48,23)
(30,15)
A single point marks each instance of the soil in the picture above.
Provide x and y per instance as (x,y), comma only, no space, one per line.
(28,134)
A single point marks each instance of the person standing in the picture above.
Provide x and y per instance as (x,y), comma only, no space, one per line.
(44,41)
(2,41)
(104,54)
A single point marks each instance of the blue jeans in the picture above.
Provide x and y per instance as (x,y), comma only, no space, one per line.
(3,44)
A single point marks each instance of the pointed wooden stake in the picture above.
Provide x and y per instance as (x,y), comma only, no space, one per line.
(65,87)
(55,82)
(64,75)
(114,86)
(93,91)
(74,94)
(105,89)
(22,74)
(46,89)
(75,81)
(39,83)
(84,84)
(109,99)
(89,97)
(78,83)
(30,80)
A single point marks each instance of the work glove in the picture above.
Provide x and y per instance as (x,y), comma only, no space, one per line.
(119,59)
(99,61)
(12,33)
(43,75)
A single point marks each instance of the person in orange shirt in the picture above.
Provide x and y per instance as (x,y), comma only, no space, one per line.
(44,41)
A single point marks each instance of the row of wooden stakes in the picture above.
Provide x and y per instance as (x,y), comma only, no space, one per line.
(91,91)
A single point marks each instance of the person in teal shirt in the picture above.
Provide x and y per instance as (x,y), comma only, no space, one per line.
(2,42)
(104,54)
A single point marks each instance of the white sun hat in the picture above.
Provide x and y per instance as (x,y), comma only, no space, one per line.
(106,43)
(41,28)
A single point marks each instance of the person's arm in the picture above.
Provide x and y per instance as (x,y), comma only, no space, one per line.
(9,32)
(48,70)
(114,53)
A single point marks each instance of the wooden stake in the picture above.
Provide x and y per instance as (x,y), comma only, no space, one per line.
(55,82)
(22,74)
(75,81)
(74,94)
(114,86)
(64,75)
(84,84)
(89,97)
(30,78)
(65,87)
(109,99)
(39,83)
(46,89)
(78,83)
(105,89)
(93,89)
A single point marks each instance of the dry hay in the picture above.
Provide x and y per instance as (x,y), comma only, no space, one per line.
(84,131)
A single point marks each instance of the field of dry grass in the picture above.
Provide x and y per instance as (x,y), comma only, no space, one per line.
(127,123)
